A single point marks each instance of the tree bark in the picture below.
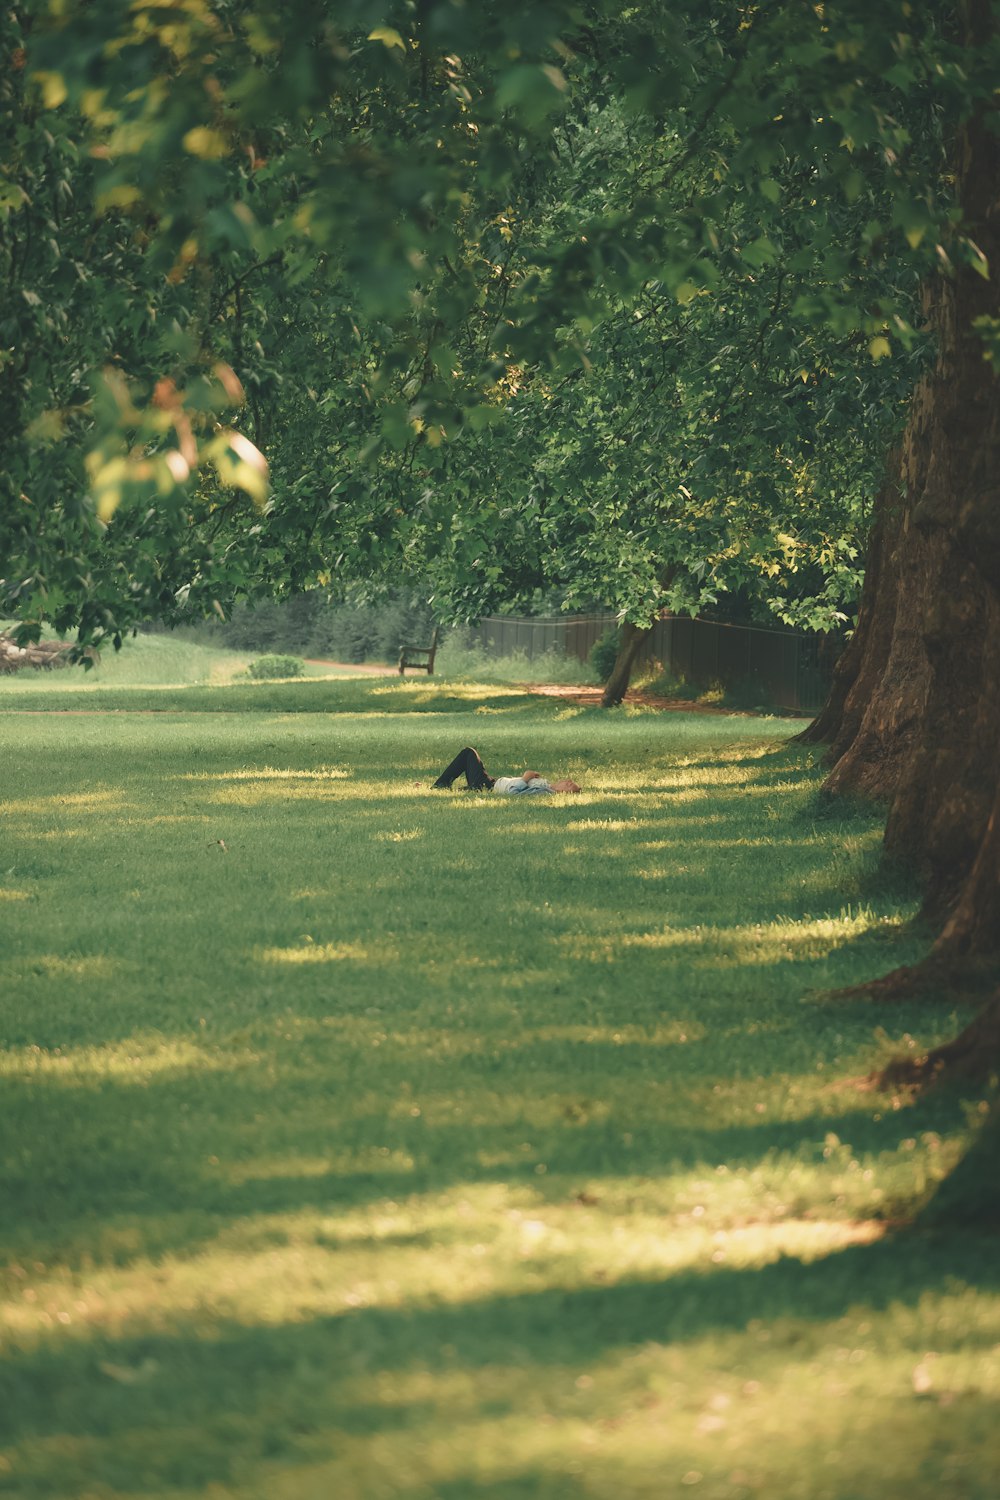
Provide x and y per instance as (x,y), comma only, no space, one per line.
(973,1054)
(970,1194)
(920,723)
(882,709)
(633,637)
(929,733)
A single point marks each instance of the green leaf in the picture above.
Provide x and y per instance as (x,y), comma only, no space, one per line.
(760,252)
(204,142)
(240,465)
(388,36)
(530,91)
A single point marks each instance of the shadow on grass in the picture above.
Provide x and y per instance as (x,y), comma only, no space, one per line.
(308,696)
(115,1166)
(121,1198)
(275,1388)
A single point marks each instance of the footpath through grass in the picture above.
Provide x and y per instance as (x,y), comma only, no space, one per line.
(364,1141)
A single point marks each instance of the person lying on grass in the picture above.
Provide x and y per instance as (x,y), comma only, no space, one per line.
(476,779)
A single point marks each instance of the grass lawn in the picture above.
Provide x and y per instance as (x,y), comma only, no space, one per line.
(146,661)
(365,1141)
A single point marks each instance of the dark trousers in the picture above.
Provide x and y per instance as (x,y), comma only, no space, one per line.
(466,760)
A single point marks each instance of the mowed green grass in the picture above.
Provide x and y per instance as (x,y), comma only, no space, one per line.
(154,663)
(366,1141)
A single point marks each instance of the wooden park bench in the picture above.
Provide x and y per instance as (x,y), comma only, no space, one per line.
(419,657)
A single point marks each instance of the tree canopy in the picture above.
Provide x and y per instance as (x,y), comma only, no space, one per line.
(489,298)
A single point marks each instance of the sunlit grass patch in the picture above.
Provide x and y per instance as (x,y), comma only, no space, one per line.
(105,798)
(137,1061)
(316,953)
(269,773)
(60,966)
(760,943)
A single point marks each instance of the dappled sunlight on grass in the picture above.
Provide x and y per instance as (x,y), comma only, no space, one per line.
(471,693)
(610,825)
(761,943)
(61,834)
(105,799)
(267,773)
(656,1034)
(316,953)
(67,966)
(165,818)
(390,1149)
(135,1062)
(279,1269)
(249,793)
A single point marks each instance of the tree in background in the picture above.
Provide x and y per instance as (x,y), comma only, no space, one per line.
(397,236)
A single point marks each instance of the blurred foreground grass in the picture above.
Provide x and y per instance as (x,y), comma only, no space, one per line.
(360,1140)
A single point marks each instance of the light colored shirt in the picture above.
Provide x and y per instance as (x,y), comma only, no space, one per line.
(516,785)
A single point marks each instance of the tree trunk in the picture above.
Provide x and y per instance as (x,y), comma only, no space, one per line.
(973,1054)
(853,680)
(633,638)
(920,724)
(970,1194)
(882,710)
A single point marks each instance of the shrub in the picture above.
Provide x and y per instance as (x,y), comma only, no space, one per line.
(603,654)
(268,667)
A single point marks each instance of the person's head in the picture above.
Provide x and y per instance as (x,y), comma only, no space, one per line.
(566,785)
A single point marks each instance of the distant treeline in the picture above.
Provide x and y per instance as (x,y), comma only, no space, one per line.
(310,625)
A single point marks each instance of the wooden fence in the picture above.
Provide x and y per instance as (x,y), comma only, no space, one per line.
(790,668)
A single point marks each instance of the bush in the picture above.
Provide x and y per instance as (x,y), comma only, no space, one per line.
(266,668)
(604,653)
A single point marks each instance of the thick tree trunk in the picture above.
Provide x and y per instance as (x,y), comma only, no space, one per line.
(970,1194)
(929,735)
(633,638)
(973,1054)
(882,711)
(921,721)
(974,923)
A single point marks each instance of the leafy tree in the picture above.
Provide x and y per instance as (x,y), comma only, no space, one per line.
(377,198)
